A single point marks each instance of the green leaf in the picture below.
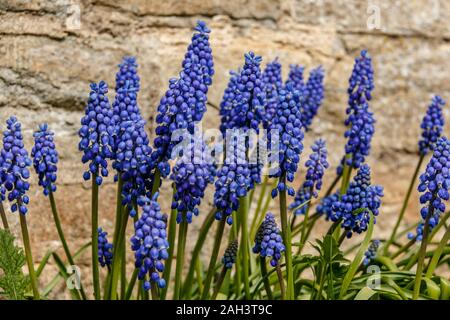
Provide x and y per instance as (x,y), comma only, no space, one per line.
(13,282)
(433,290)
(445,289)
(365,294)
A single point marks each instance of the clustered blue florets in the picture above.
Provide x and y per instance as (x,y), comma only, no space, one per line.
(371,253)
(45,158)
(14,171)
(127,74)
(105,248)
(325,207)
(191,175)
(97,133)
(149,242)
(233,181)
(249,96)
(316,165)
(185,100)
(434,185)
(229,257)
(360,118)
(287,125)
(313,96)
(227,103)
(273,82)
(268,241)
(354,207)
(295,78)
(432,125)
(133,162)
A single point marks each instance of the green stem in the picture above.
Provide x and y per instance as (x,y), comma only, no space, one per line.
(422,251)
(333,184)
(3,215)
(131,284)
(204,230)
(94,234)
(213,260)
(171,239)
(264,210)
(181,246)
(243,213)
(404,206)
(154,291)
(219,283)
(62,237)
(437,254)
(117,255)
(286,234)
(265,277)
(259,204)
(281,281)
(156,181)
(199,275)
(29,256)
(305,227)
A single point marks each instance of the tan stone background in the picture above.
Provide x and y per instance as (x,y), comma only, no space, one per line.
(51,50)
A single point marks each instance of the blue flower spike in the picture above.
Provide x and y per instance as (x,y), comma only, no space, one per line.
(229,257)
(14,170)
(268,241)
(149,242)
(432,125)
(45,158)
(96,133)
(371,253)
(105,249)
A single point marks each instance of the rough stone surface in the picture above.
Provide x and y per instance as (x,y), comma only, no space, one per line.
(49,57)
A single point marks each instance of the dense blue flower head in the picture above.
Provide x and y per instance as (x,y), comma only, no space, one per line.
(432,125)
(435,184)
(97,133)
(354,207)
(229,257)
(361,82)
(316,165)
(289,137)
(191,175)
(105,248)
(359,136)
(198,68)
(133,162)
(45,158)
(149,242)
(371,253)
(127,74)
(313,96)
(325,207)
(249,95)
(295,78)
(14,171)
(228,102)
(233,181)
(273,82)
(268,241)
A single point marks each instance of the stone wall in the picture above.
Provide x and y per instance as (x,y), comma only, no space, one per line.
(51,51)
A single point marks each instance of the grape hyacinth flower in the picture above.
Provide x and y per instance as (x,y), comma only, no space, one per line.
(191,175)
(45,158)
(432,125)
(288,126)
(295,78)
(185,100)
(133,162)
(248,111)
(354,207)
(325,207)
(149,242)
(434,185)
(314,94)
(127,74)
(229,257)
(15,163)
(105,254)
(96,133)
(233,181)
(273,82)
(371,253)
(227,103)
(361,82)
(268,241)
(316,165)
(360,119)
